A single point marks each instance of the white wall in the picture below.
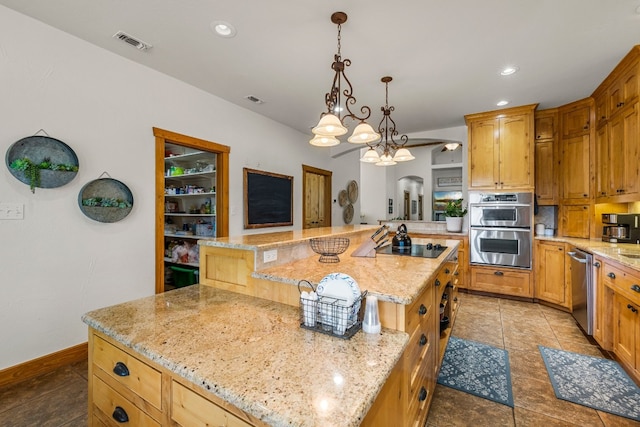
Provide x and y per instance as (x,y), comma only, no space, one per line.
(57,264)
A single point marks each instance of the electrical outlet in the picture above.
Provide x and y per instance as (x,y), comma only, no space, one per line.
(11,211)
(270,256)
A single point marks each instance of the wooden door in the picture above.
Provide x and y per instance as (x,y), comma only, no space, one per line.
(602,161)
(516,152)
(575,167)
(575,221)
(631,142)
(624,329)
(550,273)
(545,173)
(316,187)
(484,154)
(576,121)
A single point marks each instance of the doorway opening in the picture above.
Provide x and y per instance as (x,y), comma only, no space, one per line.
(192,191)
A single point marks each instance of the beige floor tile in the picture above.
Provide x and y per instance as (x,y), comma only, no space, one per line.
(527,364)
(480,333)
(452,408)
(586,348)
(527,418)
(611,420)
(528,341)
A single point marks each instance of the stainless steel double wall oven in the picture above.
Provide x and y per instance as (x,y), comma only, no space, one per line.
(500,231)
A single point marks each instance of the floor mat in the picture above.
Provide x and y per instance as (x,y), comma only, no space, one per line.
(590,381)
(478,369)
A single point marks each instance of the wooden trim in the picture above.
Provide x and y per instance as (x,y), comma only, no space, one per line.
(42,365)
(488,115)
(222,189)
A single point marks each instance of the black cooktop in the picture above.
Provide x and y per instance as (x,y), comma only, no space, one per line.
(429,250)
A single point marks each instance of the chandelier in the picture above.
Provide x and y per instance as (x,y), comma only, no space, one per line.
(331,124)
(391,152)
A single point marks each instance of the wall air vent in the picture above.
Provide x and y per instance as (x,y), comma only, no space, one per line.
(254,99)
(137,43)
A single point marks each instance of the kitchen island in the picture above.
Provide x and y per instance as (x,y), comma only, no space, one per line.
(245,355)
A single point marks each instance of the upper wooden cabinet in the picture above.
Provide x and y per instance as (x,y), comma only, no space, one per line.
(617,141)
(575,151)
(546,157)
(501,149)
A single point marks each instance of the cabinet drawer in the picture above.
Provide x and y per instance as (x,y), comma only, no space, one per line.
(189,409)
(622,282)
(420,393)
(421,343)
(137,376)
(418,312)
(501,281)
(112,404)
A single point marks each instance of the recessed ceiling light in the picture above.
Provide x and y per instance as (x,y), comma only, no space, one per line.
(254,99)
(223,29)
(502,103)
(507,71)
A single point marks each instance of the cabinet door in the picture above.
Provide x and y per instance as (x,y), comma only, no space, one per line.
(602,162)
(576,121)
(190,409)
(602,108)
(624,329)
(623,152)
(575,167)
(624,90)
(550,273)
(575,221)
(545,127)
(515,152)
(545,173)
(484,154)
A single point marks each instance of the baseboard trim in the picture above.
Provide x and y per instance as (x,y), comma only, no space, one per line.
(42,365)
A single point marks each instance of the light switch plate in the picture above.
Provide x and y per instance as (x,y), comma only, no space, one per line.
(11,211)
(270,256)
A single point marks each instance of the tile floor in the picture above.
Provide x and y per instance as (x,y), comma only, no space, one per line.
(60,398)
(518,327)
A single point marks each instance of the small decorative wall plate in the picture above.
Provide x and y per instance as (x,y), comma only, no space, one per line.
(352,191)
(342,198)
(347,214)
(42,162)
(105,200)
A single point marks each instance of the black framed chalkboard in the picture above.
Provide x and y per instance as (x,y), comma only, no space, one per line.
(268,199)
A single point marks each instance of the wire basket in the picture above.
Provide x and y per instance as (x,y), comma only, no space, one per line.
(331,316)
(329,248)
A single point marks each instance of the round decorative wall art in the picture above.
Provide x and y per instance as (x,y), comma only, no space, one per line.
(42,162)
(352,191)
(105,200)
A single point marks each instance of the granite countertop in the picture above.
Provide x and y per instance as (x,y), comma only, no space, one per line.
(283,238)
(613,251)
(252,353)
(394,278)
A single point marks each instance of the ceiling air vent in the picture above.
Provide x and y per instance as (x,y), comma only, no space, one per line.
(254,99)
(137,43)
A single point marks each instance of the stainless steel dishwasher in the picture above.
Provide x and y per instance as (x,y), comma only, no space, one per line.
(582,292)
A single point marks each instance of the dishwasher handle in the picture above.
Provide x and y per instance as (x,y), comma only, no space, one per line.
(580,260)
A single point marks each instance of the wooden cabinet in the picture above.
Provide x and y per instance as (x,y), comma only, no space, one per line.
(500,280)
(575,220)
(623,284)
(576,119)
(546,157)
(387,409)
(124,386)
(551,282)
(624,89)
(575,146)
(602,162)
(501,151)
(624,142)
(601,105)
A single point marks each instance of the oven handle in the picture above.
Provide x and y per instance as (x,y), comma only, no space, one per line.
(484,228)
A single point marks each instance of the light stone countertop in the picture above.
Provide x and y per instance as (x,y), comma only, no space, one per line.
(613,251)
(252,353)
(394,278)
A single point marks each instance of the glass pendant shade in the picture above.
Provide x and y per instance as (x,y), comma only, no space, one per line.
(371,156)
(403,155)
(451,146)
(329,125)
(364,134)
(324,141)
(386,160)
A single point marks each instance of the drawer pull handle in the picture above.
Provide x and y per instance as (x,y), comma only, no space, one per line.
(437,282)
(632,308)
(612,275)
(423,340)
(635,288)
(446,271)
(422,396)
(423,310)
(498,273)
(449,285)
(120,415)
(121,370)
(596,264)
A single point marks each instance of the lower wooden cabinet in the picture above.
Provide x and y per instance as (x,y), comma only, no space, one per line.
(125,389)
(389,407)
(552,283)
(623,295)
(501,280)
